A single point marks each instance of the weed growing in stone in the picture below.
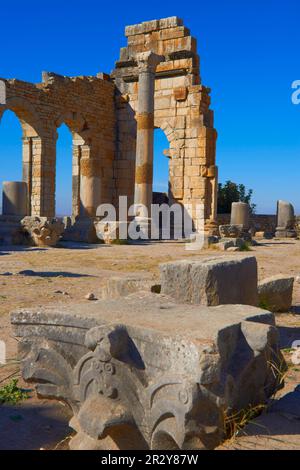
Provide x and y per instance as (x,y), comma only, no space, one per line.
(12,394)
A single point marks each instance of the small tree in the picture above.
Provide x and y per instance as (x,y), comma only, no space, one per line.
(231,192)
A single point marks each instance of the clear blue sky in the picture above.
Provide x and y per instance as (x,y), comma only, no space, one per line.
(249,53)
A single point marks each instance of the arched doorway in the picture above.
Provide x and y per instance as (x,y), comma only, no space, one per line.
(160,167)
(10,150)
(63,187)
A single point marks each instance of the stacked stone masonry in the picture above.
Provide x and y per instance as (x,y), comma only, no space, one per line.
(101,112)
(86,105)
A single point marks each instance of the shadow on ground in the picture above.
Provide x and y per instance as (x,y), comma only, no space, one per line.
(32,426)
(276,429)
(29,272)
(12,248)
(288,335)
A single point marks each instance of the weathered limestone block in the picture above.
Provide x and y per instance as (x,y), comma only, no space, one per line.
(227,243)
(276,293)
(81,229)
(285,220)
(236,231)
(148,373)
(14,200)
(42,231)
(230,231)
(264,234)
(117,286)
(212,281)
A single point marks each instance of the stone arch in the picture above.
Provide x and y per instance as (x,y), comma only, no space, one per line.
(176,165)
(85,167)
(31,141)
(166,127)
(27,114)
(76,122)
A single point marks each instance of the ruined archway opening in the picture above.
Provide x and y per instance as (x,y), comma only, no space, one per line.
(63,187)
(160,168)
(10,149)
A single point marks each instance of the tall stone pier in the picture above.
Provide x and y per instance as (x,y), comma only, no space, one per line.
(147,63)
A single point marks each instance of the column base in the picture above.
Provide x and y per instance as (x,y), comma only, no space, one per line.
(285,233)
(80,229)
(142,227)
(112,231)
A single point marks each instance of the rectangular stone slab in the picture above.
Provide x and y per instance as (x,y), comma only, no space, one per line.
(211,281)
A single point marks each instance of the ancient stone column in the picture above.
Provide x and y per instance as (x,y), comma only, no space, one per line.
(14,198)
(90,182)
(240,214)
(147,63)
(27,168)
(285,220)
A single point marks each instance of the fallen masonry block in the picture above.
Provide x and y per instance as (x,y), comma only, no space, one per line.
(276,292)
(212,281)
(264,234)
(42,231)
(234,231)
(145,373)
(80,229)
(225,243)
(122,286)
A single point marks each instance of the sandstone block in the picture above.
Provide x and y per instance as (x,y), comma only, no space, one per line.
(212,281)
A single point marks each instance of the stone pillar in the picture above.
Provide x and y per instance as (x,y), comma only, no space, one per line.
(285,220)
(240,214)
(42,175)
(211,226)
(90,183)
(27,169)
(147,63)
(14,198)
(77,144)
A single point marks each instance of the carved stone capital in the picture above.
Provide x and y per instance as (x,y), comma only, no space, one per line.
(131,386)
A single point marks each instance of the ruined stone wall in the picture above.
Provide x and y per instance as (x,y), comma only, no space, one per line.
(86,106)
(181,111)
(261,222)
(101,114)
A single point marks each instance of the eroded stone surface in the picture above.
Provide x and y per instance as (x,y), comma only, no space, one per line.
(276,293)
(213,281)
(147,370)
(285,220)
(42,231)
(122,286)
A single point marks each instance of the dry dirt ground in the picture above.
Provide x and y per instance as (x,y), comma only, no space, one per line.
(34,277)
